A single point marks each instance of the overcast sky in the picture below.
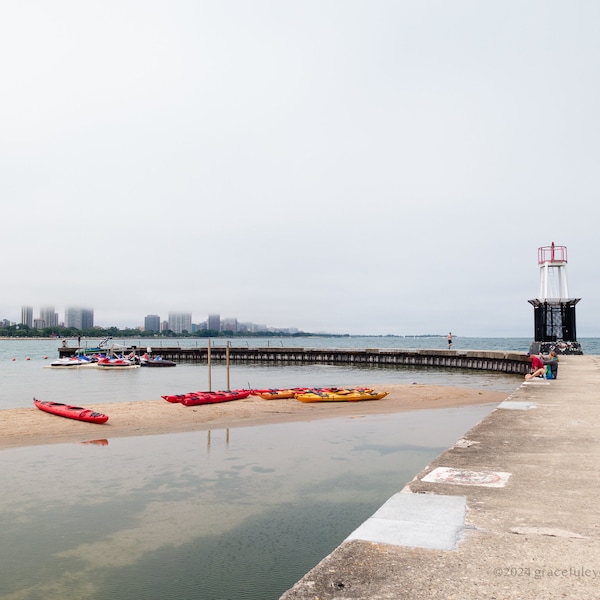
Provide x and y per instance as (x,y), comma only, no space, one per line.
(342,166)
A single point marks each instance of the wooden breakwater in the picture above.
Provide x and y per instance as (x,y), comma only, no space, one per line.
(505,362)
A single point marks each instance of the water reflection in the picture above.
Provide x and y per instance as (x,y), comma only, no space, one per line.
(208,438)
(213,515)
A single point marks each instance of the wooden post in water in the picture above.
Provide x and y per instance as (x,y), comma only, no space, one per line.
(227,364)
(209,367)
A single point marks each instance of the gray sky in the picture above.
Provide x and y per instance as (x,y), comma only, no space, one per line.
(342,166)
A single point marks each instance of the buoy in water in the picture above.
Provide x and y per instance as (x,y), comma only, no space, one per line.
(28,358)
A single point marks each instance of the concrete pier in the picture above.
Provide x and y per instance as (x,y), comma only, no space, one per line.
(512,511)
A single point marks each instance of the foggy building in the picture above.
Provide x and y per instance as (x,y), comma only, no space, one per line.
(79,318)
(152,323)
(180,322)
(230,325)
(27,316)
(214,322)
(48,316)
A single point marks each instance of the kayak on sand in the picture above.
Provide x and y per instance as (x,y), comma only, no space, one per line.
(71,412)
(196,398)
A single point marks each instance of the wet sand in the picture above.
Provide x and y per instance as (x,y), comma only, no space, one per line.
(32,427)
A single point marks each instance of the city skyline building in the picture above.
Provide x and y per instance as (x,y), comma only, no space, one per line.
(180,322)
(48,316)
(214,322)
(230,324)
(152,323)
(27,316)
(77,317)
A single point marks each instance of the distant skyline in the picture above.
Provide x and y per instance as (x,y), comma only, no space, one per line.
(346,167)
(82,317)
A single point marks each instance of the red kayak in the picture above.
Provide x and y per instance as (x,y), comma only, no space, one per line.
(174,398)
(71,412)
(196,398)
(214,397)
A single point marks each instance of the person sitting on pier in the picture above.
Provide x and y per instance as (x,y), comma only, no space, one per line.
(551,362)
(538,368)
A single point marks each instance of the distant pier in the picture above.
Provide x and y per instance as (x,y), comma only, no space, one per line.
(504,362)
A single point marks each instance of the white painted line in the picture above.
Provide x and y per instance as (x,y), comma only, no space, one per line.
(512,405)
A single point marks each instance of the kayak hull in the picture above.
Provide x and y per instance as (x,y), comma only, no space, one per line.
(197,398)
(351,396)
(77,413)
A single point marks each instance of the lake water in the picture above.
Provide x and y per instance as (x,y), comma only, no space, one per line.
(218,515)
(23,378)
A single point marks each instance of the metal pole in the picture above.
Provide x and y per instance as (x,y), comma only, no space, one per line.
(227,364)
(209,377)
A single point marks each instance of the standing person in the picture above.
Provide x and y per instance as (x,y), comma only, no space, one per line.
(538,368)
(449,340)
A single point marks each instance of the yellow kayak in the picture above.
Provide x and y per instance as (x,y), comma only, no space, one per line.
(277,394)
(341,396)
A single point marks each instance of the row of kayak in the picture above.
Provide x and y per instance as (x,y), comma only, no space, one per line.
(302,394)
(196,398)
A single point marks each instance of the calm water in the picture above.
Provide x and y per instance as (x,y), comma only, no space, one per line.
(237,514)
(219,515)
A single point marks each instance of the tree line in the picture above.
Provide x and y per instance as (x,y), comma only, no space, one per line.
(23,331)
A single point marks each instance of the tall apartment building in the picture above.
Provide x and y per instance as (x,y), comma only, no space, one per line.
(180,322)
(48,316)
(79,318)
(27,316)
(214,322)
(152,323)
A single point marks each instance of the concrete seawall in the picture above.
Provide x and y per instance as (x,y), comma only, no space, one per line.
(510,511)
(504,362)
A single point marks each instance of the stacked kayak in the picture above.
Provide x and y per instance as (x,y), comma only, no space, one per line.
(196,398)
(279,394)
(71,412)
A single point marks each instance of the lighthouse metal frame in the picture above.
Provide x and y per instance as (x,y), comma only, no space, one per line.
(553,273)
(554,310)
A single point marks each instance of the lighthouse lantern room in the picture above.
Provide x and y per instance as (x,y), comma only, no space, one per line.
(554,310)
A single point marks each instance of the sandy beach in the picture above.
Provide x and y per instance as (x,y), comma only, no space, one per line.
(31,427)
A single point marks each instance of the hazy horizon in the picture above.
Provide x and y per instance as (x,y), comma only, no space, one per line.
(347,166)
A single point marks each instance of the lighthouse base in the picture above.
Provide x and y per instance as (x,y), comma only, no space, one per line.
(558,346)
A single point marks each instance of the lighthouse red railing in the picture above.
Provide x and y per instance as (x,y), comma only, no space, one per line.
(552,254)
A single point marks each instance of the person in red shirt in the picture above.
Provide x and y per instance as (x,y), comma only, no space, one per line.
(538,369)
